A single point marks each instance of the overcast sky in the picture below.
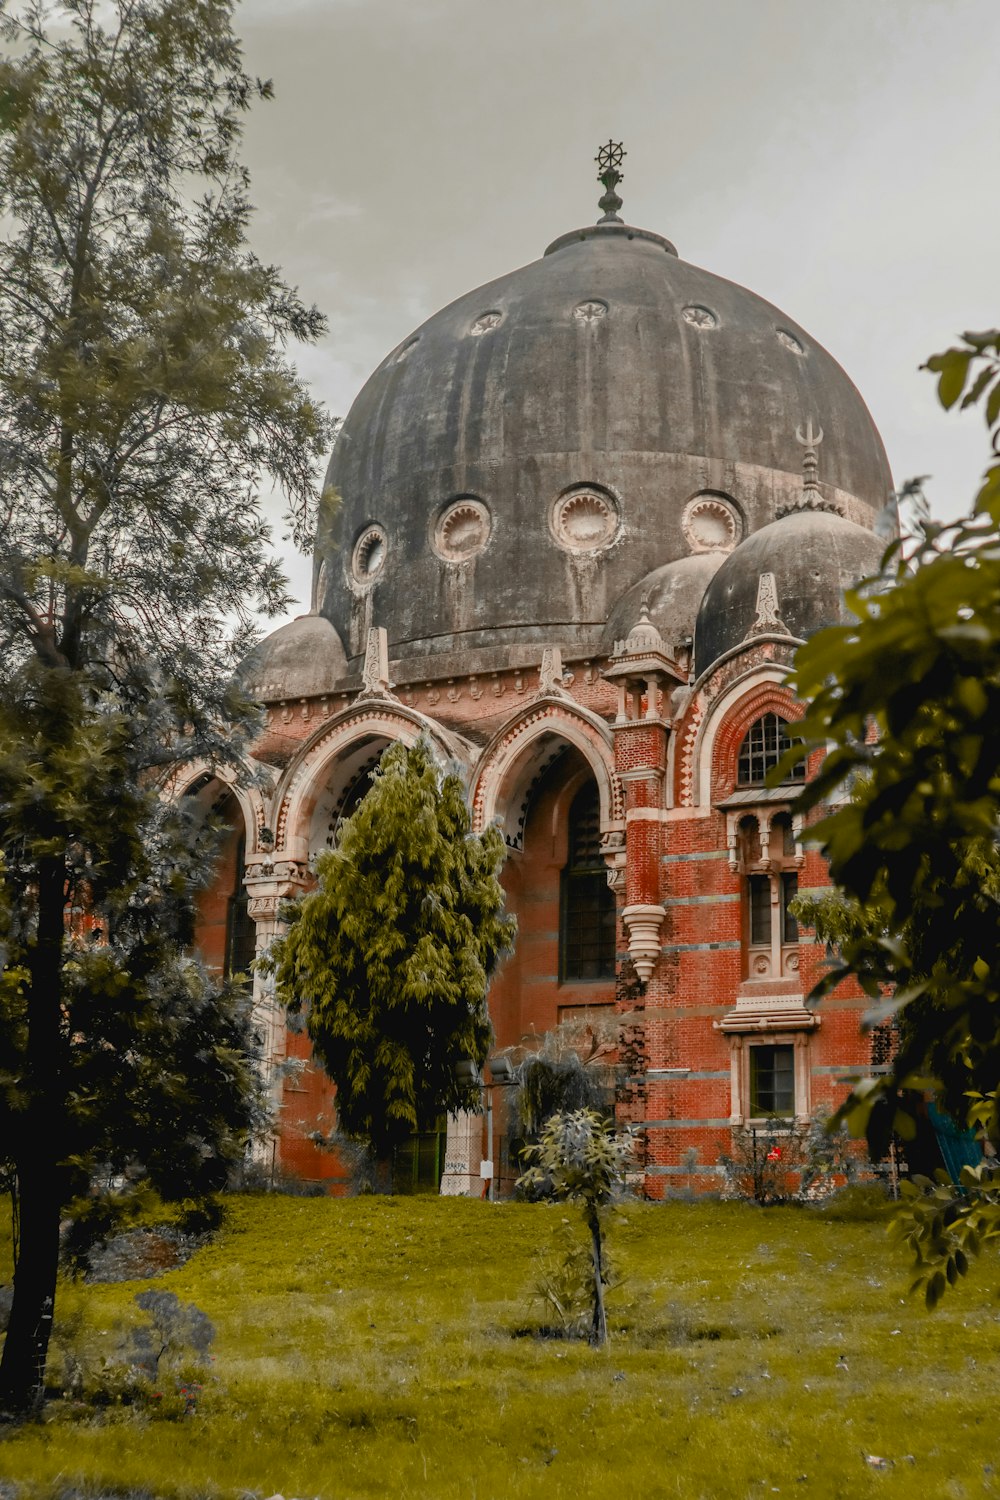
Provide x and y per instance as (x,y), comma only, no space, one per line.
(841,159)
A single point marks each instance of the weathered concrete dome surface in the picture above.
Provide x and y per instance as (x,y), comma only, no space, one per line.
(531,451)
(302,659)
(673,595)
(813,555)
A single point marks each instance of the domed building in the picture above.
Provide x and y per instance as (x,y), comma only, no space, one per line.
(587,513)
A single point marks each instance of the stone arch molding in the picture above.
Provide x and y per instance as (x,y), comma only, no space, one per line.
(247,793)
(304,780)
(578,727)
(758,691)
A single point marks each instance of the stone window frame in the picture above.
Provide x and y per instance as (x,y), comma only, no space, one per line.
(741,1045)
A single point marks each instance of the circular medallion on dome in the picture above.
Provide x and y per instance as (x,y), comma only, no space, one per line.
(711,524)
(789,341)
(590,311)
(699,317)
(585,519)
(486,322)
(462,529)
(369,554)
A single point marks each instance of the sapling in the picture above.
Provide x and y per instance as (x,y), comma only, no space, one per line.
(580,1158)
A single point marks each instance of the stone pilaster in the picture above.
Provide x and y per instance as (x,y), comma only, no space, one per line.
(269,883)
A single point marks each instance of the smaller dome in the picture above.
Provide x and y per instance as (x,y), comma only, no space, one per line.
(812,555)
(672,594)
(303,659)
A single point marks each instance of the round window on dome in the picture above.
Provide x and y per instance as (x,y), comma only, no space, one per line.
(486,322)
(369,554)
(789,341)
(711,523)
(462,529)
(585,519)
(699,317)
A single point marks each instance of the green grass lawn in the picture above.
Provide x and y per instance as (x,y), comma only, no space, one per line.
(378,1347)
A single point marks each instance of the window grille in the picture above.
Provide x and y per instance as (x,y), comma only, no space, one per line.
(587,905)
(765,744)
(772,1081)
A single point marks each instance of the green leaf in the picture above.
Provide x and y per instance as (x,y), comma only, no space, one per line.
(954,374)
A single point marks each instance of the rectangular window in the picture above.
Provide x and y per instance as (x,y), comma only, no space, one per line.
(789,891)
(241,938)
(587,927)
(772,1082)
(760,911)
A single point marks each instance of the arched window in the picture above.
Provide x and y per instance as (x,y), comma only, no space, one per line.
(587,905)
(765,744)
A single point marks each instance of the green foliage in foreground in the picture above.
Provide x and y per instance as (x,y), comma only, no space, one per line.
(391,957)
(371,1347)
(913,847)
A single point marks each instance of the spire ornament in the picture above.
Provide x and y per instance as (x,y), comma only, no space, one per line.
(811,497)
(810,440)
(609,160)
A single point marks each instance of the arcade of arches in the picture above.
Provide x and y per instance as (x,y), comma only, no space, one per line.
(585,520)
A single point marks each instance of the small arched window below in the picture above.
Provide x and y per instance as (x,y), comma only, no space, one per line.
(587,905)
(766,742)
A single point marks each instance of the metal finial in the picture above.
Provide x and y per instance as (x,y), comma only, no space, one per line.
(810,440)
(609,160)
(811,497)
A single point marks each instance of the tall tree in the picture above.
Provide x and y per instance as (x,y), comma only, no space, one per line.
(391,957)
(144,393)
(914,845)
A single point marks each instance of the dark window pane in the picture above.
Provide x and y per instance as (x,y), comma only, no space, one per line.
(588,926)
(241,942)
(587,907)
(585,830)
(789,890)
(241,929)
(765,744)
(760,911)
(772,1081)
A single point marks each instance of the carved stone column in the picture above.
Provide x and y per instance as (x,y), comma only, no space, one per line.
(642,667)
(269,882)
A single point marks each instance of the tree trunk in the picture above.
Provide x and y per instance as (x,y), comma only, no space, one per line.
(22,1368)
(599,1329)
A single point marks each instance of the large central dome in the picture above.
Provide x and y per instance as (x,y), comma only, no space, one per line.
(542,444)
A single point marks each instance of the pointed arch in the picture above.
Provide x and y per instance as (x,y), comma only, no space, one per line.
(307,778)
(194,778)
(509,760)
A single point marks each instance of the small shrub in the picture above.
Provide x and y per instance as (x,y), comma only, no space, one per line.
(176,1330)
(765,1164)
(859,1203)
(156,1367)
(830,1160)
